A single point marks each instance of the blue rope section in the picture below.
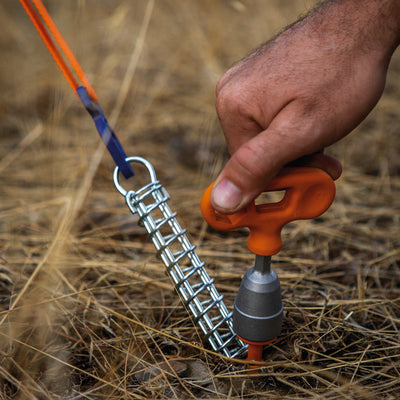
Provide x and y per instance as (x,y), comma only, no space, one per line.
(106,133)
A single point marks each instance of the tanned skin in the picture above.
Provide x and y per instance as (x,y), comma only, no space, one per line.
(302,91)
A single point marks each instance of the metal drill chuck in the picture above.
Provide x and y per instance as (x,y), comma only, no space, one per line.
(258,309)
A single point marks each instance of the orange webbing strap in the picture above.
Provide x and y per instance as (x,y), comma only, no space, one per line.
(44,24)
(48,25)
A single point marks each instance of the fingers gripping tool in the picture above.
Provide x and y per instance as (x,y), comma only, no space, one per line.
(258,309)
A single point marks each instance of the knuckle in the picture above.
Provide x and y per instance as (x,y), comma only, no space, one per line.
(233,101)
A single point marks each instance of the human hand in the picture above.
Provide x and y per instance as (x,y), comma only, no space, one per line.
(301,92)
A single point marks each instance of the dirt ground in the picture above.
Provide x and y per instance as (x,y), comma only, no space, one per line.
(86,308)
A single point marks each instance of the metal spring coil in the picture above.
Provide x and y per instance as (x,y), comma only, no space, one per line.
(195,287)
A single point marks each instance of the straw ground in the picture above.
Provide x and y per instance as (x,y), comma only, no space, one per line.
(86,310)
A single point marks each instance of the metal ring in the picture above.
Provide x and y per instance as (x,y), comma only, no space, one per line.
(140,160)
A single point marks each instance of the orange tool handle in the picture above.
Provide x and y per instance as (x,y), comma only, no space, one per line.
(308,193)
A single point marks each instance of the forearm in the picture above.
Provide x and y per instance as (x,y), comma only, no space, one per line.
(374,25)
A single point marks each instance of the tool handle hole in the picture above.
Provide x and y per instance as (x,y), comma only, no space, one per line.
(270,197)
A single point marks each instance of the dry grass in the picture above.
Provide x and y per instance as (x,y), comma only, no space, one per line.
(86,310)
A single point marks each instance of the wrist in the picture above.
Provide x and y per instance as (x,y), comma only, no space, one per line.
(373,25)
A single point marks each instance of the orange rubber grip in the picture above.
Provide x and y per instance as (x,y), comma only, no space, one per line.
(308,193)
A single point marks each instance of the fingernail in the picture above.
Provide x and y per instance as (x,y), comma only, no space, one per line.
(227,196)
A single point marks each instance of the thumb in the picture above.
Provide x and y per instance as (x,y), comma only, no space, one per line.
(246,174)
(257,161)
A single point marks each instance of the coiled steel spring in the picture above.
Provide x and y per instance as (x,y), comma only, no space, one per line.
(183,265)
